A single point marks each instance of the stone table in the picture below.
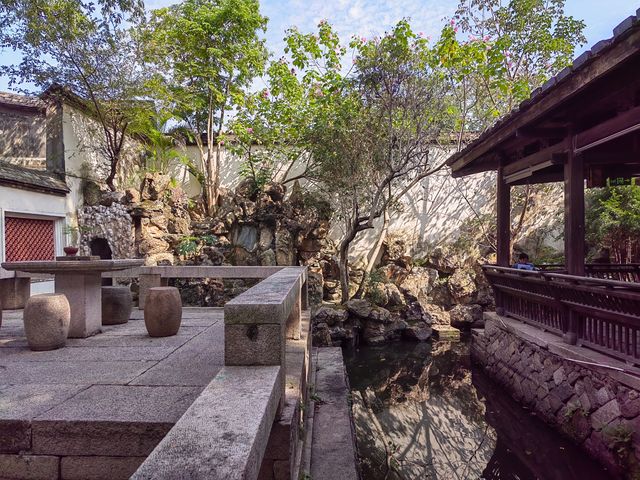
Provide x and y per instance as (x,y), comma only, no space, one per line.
(81,282)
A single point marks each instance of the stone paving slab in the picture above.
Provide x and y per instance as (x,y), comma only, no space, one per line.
(28,401)
(79,400)
(133,328)
(126,403)
(137,340)
(333,453)
(111,420)
(72,373)
(194,363)
(90,354)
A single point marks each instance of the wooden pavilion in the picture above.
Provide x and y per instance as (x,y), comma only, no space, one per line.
(581,127)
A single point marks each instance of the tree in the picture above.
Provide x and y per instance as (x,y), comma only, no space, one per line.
(510,49)
(86,48)
(206,53)
(363,136)
(613,222)
(368,132)
(278,120)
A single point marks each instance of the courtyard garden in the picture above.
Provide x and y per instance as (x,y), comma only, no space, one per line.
(213,220)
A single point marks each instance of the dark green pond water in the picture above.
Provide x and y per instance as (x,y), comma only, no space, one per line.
(422,412)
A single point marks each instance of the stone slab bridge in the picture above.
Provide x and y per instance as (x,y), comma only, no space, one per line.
(220,400)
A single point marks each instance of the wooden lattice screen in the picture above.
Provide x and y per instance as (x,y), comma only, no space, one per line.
(29,239)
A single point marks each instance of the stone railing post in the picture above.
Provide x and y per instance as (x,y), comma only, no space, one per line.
(258,322)
(146,282)
(14,292)
(304,295)
(294,320)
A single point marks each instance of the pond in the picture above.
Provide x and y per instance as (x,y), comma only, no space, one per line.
(422,412)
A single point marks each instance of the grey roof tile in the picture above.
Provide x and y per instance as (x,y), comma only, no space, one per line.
(20,177)
(17,100)
(624,25)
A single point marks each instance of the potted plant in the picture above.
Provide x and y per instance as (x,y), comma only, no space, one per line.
(72,233)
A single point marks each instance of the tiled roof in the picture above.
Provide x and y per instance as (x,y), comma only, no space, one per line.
(20,177)
(17,100)
(581,62)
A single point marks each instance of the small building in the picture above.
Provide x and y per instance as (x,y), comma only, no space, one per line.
(46,143)
(566,341)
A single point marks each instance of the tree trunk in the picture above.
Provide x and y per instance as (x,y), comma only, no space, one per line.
(373,257)
(113,169)
(343,264)
(208,196)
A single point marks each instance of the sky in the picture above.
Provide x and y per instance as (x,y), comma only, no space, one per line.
(368,18)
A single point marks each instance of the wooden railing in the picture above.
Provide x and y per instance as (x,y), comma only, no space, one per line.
(626,272)
(597,313)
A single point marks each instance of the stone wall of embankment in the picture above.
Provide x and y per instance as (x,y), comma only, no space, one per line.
(588,397)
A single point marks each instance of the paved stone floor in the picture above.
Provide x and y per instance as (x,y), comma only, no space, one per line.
(114,394)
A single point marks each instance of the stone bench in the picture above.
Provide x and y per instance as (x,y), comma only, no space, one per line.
(224,433)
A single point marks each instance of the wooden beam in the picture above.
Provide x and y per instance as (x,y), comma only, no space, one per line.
(503,237)
(567,90)
(541,132)
(539,160)
(622,124)
(540,177)
(475,168)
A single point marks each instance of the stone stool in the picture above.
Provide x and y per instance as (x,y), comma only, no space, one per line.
(163,311)
(46,321)
(116,305)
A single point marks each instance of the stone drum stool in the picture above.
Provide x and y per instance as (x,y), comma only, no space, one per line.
(46,321)
(116,305)
(163,311)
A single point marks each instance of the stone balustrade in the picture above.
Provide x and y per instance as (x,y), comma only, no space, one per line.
(226,431)
(158,276)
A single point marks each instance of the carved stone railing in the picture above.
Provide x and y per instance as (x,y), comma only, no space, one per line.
(600,314)
(224,433)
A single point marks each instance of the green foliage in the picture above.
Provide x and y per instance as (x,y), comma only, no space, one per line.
(613,222)
(510,49)
(206,54)
(314,201)
(190,246)
(85,47)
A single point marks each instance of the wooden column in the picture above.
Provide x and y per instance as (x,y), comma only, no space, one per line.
(574,249)
(503,234)
(503,237)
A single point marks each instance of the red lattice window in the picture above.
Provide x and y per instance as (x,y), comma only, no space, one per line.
(29,239)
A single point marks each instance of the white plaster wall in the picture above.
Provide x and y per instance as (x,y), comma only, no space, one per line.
(82,137)
(229,170)
(431,213)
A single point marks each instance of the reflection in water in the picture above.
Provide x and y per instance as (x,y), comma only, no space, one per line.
(421,414)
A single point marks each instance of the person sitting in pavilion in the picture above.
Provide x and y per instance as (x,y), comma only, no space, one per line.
(523,263)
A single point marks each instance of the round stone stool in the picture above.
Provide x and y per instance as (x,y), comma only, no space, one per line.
(163,311)
(46,321)
(116,305)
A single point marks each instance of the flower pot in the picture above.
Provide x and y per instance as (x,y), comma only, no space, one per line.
(163,311)
(46,321)
(70,251)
